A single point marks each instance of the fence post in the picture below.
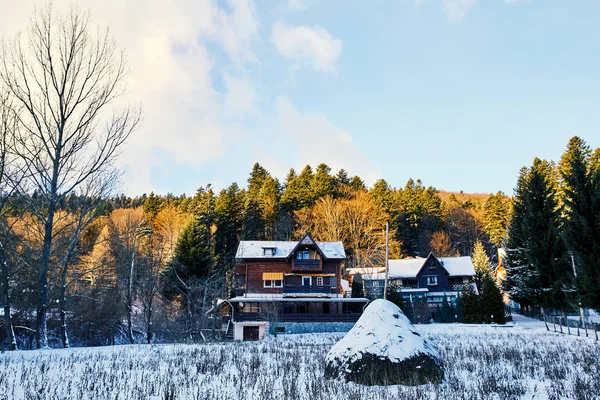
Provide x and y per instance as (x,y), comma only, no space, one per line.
(564,315)
(559,324)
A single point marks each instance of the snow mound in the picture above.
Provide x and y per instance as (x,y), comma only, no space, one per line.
(384,348)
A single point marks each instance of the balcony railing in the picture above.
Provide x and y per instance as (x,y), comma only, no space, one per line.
(308,289)
(304,317)
(306,265)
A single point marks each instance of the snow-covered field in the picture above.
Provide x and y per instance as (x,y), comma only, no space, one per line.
(481,362)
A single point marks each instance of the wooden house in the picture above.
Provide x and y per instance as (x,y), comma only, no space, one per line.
(431,278)
(290,286)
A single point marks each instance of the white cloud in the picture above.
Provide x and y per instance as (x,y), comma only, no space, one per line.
(297,5)
(171,60)
(313,46)
(314,139)
(240,95)
(455,10)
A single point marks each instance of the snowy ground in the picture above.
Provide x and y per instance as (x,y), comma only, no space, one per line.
(522,361)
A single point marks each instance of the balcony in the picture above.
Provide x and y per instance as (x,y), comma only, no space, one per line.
(309,289)
(306,265)
(304,317)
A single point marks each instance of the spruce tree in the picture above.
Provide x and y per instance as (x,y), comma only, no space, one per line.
(152,205)
(323,184)
(492,302)
(581,209)
(270,201)
(358,290)
(538,272)
(496,215)
(229,207)
(482,264)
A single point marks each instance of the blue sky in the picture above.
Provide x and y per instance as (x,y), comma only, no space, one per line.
(458,93)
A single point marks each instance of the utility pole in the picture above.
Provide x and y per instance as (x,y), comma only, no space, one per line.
(387,269)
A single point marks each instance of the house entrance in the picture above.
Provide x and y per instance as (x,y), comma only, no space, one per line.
(251,333)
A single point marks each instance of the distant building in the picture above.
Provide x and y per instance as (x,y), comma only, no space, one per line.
(291,287)
(431,278)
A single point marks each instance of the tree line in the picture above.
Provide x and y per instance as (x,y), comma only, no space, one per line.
(553,240)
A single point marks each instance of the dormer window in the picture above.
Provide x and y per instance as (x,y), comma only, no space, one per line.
(302,255)
(268,251)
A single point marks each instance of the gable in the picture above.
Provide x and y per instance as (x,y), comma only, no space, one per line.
(432,266)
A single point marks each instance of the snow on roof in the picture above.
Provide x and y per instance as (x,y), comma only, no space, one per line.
(410,267)
(365,271)
(254,249)
(458,266)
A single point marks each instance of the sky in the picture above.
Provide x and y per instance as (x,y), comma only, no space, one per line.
(458,93)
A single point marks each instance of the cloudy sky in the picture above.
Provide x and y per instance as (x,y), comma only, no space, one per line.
(459,93)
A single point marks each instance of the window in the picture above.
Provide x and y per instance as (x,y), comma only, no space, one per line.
(306,281)
(302,255)
(332,282)
(277,283)
(268,283)
(432,280)
(268,251)
(319,281)
(375,284)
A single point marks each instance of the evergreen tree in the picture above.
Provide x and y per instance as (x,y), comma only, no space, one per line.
(254,225)
(470,306)
(538,271)
(357,184)
(298,192)
(323,184)
(446,312)
(270,199)
(229,207)
(482,264)
(580,185)
(152,205)
(358,290)
(492,302)
(496,215)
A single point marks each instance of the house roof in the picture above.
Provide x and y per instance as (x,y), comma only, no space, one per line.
(283,249)
(410,267)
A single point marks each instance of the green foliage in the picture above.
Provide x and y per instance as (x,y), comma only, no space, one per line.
(470,307)
(482,264)
(152,205)
(538,271)
(496,215)
(580,185)
(492,302)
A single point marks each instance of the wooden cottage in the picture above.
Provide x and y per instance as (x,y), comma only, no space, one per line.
(290,287)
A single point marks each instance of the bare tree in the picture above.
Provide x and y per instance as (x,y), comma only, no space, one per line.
(84,213)
(10,179)
(66,79)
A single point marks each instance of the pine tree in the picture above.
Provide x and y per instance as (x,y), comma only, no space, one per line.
(152,205)
(496,215)
(358,290)
(482,264)
(537,270)
(470,306)
(492,302)
(270,201)
(581,209)
(229,206)
(323,183)
(254,225)
(298,192)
